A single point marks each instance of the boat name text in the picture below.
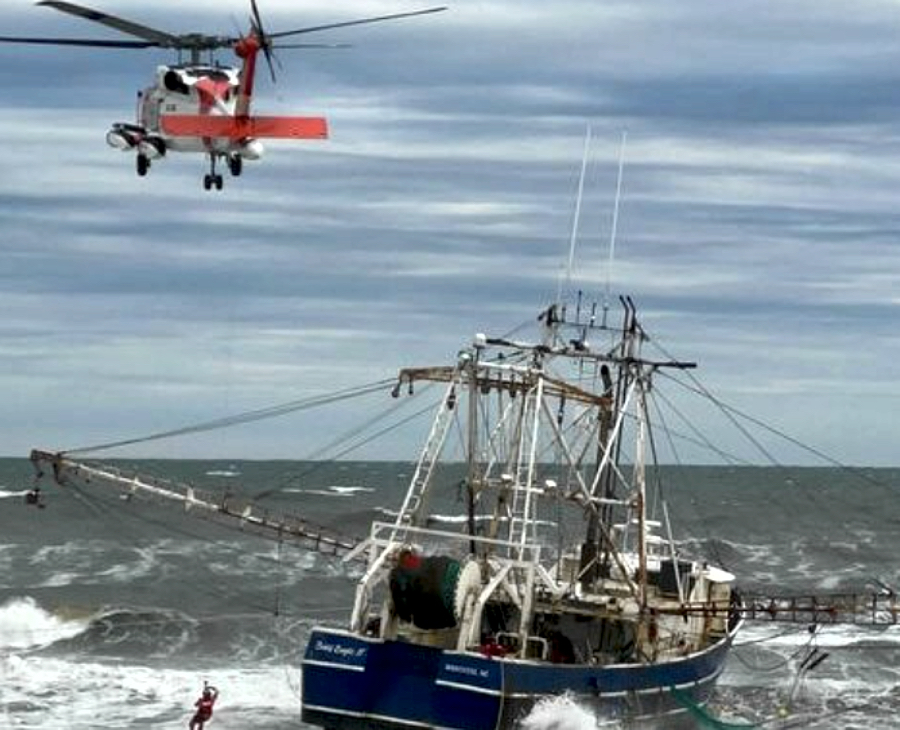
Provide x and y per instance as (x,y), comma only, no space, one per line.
(470,671)
(339,650)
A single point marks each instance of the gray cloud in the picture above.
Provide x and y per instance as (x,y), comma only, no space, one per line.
(758,225)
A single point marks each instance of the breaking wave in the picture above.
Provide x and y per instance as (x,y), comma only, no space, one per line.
(559,713)
(25,625)
(333,491)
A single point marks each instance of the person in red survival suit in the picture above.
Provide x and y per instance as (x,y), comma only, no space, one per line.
(204,707)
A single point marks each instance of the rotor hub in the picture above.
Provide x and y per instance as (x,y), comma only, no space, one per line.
(247,46)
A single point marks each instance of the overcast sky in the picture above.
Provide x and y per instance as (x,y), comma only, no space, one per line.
(758,230)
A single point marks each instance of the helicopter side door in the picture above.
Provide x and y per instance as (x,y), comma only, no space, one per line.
(151,103)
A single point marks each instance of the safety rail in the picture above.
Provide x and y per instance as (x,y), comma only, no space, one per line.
(858,609)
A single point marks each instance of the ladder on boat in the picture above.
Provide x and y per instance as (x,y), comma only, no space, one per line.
(413,503)
(243,513)
(522,506)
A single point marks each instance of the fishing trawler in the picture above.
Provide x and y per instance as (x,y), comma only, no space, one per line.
(563,576)
(469,629)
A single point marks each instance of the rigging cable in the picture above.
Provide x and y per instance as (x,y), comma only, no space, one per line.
(854,471)
(734,414)
(316,465)
(102,509)
(711,544)
(242,418)
(698,438)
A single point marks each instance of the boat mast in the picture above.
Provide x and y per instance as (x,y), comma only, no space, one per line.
(640,497)
(473,478)
(589,566)
(596,556)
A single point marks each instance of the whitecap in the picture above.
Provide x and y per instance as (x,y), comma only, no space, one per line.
(333,491)
(60,693)
(6,494)
(559,713)
(350,490)
(25,625)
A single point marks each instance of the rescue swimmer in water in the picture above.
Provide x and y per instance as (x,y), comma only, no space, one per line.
(34,498)
(204,705)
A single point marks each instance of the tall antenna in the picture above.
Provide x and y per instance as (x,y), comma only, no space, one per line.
(615,225)
(575,219)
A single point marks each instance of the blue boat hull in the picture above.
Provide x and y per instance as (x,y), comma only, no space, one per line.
(358,683)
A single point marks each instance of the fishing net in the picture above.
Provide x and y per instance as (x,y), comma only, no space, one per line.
(423,590)
(705,717)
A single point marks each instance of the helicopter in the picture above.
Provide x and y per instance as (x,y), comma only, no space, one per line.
(203,107)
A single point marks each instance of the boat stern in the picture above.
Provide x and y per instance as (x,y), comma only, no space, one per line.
(352,682)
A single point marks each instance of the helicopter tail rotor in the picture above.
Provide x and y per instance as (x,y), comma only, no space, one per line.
(264,41)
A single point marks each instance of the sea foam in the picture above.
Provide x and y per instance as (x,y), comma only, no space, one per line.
(559,713)
(25,625)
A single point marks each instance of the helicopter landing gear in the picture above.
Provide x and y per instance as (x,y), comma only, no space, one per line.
(236,165)
(143,164)
(212,179)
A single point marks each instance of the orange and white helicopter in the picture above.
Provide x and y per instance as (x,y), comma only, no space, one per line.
(203,107)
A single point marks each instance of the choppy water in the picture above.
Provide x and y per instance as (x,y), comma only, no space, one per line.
(113,614)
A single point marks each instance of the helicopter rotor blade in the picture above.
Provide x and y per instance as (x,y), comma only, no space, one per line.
(87,42)
(263,39)
(257,20)
(361,21)
(124,26)
(293,46)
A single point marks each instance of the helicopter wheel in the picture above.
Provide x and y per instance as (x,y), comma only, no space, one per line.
(143,165)
(211,180)
(236,165)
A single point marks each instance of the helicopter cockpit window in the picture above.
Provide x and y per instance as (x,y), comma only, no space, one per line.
(174,83)
(213,74)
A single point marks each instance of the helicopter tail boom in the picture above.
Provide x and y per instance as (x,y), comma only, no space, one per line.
(235,128)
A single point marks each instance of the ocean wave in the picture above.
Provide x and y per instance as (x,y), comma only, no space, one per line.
(122,632)
(7,494)
(92,562)
(774,635)
(26,625)
(164,636)
(333,491)
(559,713)
(53,692)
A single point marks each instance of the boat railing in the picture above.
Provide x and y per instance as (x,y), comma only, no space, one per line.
(518,575)
(385,535)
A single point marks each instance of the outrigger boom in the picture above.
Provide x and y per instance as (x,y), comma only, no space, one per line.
(227,509)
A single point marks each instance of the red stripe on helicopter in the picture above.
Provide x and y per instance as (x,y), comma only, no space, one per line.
(194,125)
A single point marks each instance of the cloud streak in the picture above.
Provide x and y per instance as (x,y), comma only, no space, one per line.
(757,231)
